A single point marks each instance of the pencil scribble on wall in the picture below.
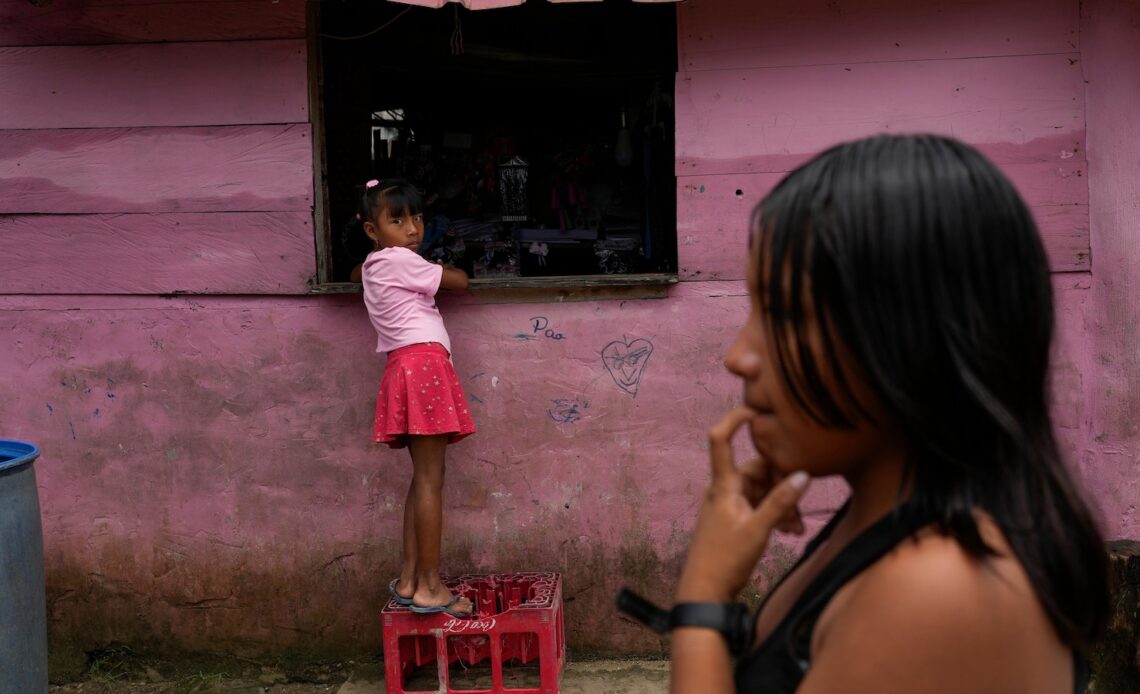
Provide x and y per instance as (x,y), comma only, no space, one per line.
(541,325)
(567,411)
(625,361)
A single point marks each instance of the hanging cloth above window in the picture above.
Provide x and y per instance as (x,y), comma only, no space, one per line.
(493,4)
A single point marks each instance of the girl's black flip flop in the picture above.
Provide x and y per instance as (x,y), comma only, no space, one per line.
(400,599)
(418,609)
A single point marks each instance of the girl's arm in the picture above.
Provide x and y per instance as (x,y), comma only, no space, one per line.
(453,278)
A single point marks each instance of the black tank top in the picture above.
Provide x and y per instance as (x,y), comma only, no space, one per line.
(779,663)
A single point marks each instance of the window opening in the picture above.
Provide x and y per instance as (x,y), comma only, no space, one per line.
(541,135)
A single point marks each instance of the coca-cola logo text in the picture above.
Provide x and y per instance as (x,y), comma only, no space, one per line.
(460,626)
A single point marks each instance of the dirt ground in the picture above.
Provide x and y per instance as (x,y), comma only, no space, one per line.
(119,677)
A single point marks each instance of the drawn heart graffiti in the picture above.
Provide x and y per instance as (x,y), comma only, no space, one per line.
(626,362)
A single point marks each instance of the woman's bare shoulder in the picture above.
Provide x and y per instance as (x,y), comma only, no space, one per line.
(930,617)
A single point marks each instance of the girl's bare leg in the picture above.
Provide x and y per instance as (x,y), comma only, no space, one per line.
(427,502)
(407,585)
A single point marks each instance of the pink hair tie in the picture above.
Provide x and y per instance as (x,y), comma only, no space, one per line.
(371,184)
(358,217)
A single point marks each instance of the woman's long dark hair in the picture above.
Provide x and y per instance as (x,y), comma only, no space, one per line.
(925,267)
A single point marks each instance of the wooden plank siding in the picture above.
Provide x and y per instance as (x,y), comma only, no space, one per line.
(145,170)
(765,86)
(83,22)
(155,147)
(227,253)
(154,84)
(712,232)
(728,34)
(1016,109)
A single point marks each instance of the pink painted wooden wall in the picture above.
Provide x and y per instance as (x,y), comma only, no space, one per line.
(206,462)
(155,147)
(767,84)
(1110,442)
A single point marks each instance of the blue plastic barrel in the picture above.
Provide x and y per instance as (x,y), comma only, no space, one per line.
(23,611)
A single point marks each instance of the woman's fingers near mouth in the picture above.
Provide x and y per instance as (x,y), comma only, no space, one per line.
(757,480)
(791,527)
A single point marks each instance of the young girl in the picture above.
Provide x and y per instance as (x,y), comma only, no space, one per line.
(421,404)
(898,337)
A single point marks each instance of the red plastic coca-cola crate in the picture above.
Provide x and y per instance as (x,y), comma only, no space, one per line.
(519,621)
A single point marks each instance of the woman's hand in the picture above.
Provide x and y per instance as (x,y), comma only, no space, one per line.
(741,508)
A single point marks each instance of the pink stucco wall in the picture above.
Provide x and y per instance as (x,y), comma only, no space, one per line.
(207,480)
(207,469)
(1110,445)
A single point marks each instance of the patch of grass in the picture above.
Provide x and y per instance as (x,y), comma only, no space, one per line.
(109,664)
(200,683)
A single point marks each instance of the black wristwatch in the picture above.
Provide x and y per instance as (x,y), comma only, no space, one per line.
(732,620)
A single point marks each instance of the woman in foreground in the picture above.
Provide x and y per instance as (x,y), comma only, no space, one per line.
(898,336)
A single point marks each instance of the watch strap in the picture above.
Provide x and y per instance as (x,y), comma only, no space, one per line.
(732,620)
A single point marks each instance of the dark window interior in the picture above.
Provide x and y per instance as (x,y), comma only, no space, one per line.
(541,135)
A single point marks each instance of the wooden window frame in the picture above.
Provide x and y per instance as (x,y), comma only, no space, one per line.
(322,229)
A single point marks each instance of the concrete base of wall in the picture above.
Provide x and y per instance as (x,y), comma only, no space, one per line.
(1116,663)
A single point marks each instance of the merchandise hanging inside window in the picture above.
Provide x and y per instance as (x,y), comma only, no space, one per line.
(542,141)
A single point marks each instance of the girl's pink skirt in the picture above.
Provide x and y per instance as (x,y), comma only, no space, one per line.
(420,395)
